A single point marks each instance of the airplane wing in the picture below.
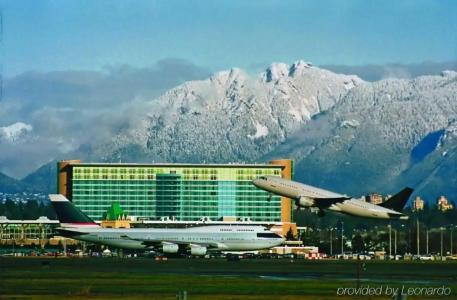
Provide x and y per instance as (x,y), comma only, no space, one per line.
(159,243)
(327,202)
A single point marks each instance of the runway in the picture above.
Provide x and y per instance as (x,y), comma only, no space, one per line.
(140,278)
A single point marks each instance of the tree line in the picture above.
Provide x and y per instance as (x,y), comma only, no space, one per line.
(30,210)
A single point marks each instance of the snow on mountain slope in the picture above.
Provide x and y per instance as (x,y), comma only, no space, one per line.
(436,174)
(366,141)
(230,116)
(345,134)
(14,132)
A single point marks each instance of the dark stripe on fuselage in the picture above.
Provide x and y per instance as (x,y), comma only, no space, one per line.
(69,233)
(394,216)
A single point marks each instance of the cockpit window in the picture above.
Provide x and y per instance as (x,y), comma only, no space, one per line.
(263,177)
(268,235)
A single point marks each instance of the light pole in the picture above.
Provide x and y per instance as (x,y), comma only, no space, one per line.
(402,228)
(342,238)
(426,239)
(417,235)
(395,239)
(331,241)
(390,240)
(441,251)
(452,231)
(410,239)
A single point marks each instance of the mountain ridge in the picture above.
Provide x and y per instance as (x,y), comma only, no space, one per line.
(345,134)
(11,185)
(241,111)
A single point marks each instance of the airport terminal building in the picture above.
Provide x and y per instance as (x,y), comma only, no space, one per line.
(182,192)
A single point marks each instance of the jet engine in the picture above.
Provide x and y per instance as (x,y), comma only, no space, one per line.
(304,202)
(170,248)
(197,250)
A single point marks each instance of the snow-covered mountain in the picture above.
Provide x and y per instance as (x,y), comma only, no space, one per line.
(231,116)
(14,132)
(344,133)
(380,135)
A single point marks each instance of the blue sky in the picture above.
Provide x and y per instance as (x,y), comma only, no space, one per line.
(104,61)
(90,35)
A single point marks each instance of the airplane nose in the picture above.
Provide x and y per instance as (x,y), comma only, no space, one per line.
(260,183)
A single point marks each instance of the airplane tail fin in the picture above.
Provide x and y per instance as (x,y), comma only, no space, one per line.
(68,214)
(398,201)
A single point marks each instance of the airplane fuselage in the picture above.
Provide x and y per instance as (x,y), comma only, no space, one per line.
(308,196)
(225,238)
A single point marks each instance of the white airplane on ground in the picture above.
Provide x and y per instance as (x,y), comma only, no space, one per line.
(197,240)
(309,196)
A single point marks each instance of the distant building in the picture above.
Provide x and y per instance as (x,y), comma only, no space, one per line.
(375,198)
(418,204)
(444,204)
(37,232)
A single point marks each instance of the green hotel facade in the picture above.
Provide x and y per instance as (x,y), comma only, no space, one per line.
(183,192)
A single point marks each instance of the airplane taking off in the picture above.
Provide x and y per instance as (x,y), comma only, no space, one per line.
(309,196)
(197,240)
